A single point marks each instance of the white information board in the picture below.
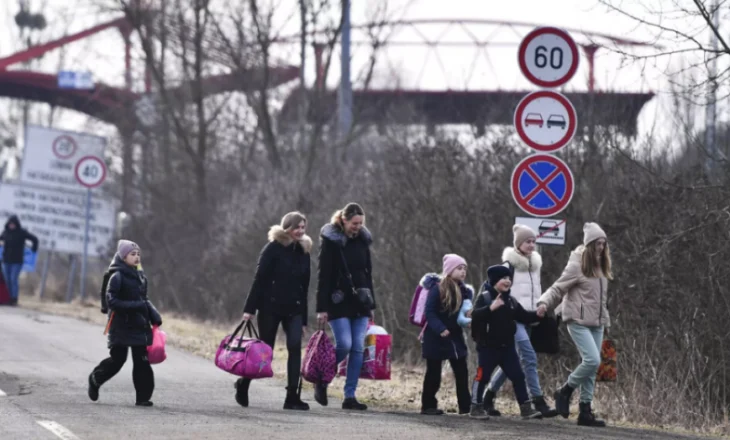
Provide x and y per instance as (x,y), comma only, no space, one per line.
(50,156)
(58,216)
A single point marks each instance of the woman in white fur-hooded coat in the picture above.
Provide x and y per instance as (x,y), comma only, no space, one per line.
(525,264)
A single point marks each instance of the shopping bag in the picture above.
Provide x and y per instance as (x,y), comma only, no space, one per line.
(377,356)
(608,370)
(156,352)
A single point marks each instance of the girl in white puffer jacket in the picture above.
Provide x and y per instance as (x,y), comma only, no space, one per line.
(525,264)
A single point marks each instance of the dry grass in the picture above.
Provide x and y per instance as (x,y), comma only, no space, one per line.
(402,392)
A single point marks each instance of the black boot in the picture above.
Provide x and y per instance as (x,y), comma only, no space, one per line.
(241,387)
(146,403)
(320,393)
(294,401)
(527,412)
(543,407)
(562,400)
(93,388)
(587,418)
(352,403)
(489,404)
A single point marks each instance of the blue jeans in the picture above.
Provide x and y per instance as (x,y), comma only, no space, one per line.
(588,341)
(350,341)
(528,359)
(11,273)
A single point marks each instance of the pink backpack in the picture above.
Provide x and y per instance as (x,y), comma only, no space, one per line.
(417,315)
(320,360)
(156,352)
(246,357)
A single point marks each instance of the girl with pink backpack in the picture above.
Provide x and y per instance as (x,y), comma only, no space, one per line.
(443,336)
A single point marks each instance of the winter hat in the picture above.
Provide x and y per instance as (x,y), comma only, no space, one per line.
(522,233)
(592,232)
(124,247)
(497,272)
(451,262)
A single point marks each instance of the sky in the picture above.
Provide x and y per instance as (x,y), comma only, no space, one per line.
(491,66)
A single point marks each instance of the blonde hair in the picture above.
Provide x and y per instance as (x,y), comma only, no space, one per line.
(589,263)
(292,220)
(348,212)
(450,295)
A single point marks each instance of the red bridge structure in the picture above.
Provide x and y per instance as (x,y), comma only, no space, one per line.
(115,105)
(478,108)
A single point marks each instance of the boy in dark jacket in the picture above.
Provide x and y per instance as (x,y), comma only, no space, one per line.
(131,317)
(493,329)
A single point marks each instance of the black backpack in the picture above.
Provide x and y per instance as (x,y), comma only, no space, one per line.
(104,284)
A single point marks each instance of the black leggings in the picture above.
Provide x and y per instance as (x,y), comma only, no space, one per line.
(268,326)
(142,375)
(432,384)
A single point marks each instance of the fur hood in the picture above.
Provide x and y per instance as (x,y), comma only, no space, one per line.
(431,279)
(334,234)
(520,262)
(279,234)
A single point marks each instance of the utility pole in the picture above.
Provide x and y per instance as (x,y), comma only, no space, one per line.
(344,103)
(711,109)
(27,22)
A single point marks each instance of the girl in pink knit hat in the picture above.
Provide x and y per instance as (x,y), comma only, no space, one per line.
(443,336)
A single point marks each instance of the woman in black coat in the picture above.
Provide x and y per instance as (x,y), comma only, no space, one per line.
(279,294)
(131,317)
(345,293)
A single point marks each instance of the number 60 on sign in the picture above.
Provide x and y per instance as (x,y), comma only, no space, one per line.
(548,57)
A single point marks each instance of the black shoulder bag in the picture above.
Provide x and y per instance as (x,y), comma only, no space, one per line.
(363,295)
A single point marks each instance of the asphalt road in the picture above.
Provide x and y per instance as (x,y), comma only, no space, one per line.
(45,361)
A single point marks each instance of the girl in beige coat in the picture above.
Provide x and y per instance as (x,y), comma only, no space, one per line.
(581,292)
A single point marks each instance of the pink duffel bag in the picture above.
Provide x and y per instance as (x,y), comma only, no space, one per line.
(156,352)
(246,357)
(319,359)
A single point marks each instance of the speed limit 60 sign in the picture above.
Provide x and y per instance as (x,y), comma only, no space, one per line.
(548,57)
(90,171)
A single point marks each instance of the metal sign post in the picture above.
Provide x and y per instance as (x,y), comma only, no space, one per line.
(90,172)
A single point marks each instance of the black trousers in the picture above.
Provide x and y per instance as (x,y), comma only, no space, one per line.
(142,375)
(432,384)
(505,358)
(268,324)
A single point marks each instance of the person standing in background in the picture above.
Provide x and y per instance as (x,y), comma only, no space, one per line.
(14,239)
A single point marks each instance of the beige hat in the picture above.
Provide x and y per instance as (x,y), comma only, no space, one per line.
(592,232)
(521,234)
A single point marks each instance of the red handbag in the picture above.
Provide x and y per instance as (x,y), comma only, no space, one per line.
(608,370)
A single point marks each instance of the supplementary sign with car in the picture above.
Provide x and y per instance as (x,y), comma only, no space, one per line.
(549,231)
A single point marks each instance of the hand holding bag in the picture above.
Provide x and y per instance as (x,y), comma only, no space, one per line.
(545,337)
